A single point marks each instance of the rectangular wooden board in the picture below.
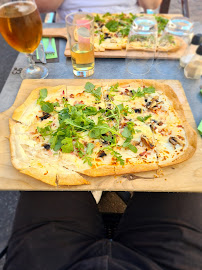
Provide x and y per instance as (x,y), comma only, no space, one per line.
(183,177)
(62,33)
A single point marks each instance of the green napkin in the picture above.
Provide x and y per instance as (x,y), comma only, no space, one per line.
(45,44)
(200,128)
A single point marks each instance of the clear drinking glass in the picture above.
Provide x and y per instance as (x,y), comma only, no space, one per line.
(80,29)
(141,45)
(21,27)
(178,29)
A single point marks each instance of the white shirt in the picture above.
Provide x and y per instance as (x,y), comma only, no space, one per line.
(96,6)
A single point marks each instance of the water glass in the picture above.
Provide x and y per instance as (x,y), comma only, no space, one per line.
(80,30)
(141,45)
(178,28)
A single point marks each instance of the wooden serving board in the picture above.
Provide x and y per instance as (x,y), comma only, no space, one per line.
(62,33)
(186,176)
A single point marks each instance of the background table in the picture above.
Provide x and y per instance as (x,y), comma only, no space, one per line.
(104,69)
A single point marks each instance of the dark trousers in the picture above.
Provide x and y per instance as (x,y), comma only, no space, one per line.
(57,230)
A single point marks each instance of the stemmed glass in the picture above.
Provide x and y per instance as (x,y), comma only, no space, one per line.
(21,27)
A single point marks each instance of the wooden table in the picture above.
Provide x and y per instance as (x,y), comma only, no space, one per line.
(186,176)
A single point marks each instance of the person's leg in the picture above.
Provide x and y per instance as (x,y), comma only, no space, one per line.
(52,229)
(166,227)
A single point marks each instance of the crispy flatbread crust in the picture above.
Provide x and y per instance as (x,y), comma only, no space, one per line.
(67,177)
(59,175)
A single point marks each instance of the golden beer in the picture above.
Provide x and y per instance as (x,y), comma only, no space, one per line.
(82,59)
(20,25)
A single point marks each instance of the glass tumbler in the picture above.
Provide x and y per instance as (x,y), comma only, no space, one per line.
(141,45)
(80,30)
(178,29)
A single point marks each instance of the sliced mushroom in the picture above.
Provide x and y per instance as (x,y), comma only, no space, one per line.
(45,116)
(46,146)
(102,154)
(175,140)
(138,110)
(153,103)
(146,141)
(153,128)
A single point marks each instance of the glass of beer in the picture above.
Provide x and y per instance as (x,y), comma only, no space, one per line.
(80,29)
(21,27)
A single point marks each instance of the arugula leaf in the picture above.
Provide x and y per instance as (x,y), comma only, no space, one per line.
(127,142)
(89,149)
(90,88)
(161,22)
(126,133)
(133,17)
(125,31)
(63,114)
(101,38)
(97,93)
(47,106)
(143,119)
(107,14)
(142,92)
(98,19)
(46,131)
(88,160)
(99,130)
(132,148)
(90,111)
(115,154)
(121,16)
(114,88)
(112,26)
(42,95)
(79,147)
(56,104)
(58,145)
(68,146)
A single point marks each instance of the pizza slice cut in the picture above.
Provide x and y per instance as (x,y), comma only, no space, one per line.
(175,140)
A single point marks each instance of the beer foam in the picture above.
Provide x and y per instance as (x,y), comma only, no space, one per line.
(24,9)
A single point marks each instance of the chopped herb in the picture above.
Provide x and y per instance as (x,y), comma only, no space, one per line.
(89,149)
(112,26)
(68,146)
(107,14)
(114,88)
(126,133)
(142,92)
(47,106)
(143,119)
(42,95)
(90,88)
(132,148)
(125,31)
(98,19)
(46,131)
(162,22)
(79,147)
(87,159)
(101,38)
(115,154)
